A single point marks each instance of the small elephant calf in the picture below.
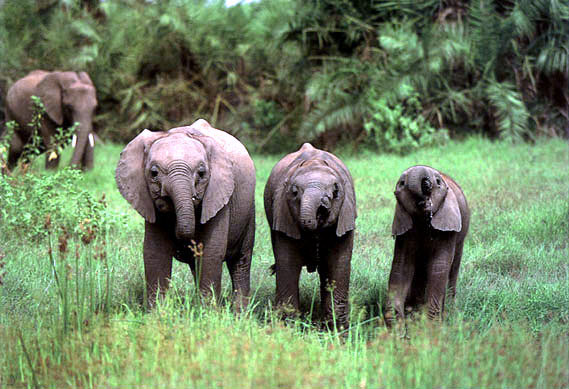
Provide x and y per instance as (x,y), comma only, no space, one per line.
(193,183)
(430,225)
(311,209)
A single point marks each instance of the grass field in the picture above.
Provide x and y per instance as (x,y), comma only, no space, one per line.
(71,312)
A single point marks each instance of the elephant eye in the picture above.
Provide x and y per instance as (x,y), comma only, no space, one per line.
(336,191)
(201,171)
(401,183)
(438,181)
(294,190)
(154,171)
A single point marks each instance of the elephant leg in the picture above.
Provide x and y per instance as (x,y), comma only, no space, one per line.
(16,149)
(401,277)
(88,157)
(335,281)
(288,264)
(453,276)
(51,157)
(240,269)
(438,269)
(158,252)
(213,235)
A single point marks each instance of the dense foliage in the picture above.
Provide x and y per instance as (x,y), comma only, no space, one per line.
(390,75)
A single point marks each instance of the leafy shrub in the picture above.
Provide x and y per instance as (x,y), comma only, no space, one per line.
(27,200)
(401,129)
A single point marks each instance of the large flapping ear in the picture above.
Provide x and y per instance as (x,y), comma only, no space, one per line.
(282,219)
(448,217)
(348,213)
(221,181)
(49,91)
(129,174)
(402,221)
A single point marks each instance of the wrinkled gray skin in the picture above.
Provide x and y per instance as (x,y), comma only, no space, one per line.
(430,224)
(192,183)
(310,205)
(68,97)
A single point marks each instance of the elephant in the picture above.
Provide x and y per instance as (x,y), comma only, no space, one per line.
(310,204)
(430,224)
(68,97)
(192,184)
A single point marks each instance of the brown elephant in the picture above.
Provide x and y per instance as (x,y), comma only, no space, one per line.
(68,97)
(430,224)
(310,205)
(193,183)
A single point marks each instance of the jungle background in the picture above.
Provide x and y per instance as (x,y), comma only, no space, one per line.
(477,89)
(386,75)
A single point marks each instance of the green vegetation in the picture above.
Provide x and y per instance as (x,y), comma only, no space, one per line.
(71,287)
(383,75)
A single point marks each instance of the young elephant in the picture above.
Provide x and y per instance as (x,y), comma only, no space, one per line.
(196,184)
(311,209)
(430,224)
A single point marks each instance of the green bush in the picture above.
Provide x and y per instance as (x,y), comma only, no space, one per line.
(30,200)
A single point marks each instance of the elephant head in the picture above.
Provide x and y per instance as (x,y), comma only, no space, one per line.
(70,97)
(181,172)
(317,193)
(423,196)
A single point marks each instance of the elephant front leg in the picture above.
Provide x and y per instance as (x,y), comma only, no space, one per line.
(438,270)
(400,278)
(158,252)
(288,264)
(335,281)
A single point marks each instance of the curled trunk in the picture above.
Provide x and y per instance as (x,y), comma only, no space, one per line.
(308,209)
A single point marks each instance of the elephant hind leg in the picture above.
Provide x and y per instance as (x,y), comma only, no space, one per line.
(239,268)
(16,149)
(453,274)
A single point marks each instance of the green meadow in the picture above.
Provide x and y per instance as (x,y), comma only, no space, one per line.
(72,287)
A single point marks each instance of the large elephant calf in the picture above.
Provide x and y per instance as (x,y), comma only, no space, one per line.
(197,184)
(430,225)
(311,209)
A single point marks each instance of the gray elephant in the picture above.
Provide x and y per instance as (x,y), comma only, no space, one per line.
(310,205)
(430,224)
(192,183)
(68,97)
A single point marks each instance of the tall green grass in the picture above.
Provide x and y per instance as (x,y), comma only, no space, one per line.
(76,317)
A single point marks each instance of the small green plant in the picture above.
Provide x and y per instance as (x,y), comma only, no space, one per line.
(400,128)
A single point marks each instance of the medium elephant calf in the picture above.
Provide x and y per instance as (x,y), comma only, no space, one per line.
(430,224)
(310,204)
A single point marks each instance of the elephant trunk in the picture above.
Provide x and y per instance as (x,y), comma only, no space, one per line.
(421,186)
(415,179)
(314,208)
(182,193)
(84,138)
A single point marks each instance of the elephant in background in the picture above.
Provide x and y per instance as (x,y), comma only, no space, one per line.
(193,183)
(310,204)
(430,224)
(68,97)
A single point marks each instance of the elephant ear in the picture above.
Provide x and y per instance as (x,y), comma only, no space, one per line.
(49,91)
(84,77)
(221,181)
(448,217)
(129,174)
(347,215)
(282,219)
(402,221)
